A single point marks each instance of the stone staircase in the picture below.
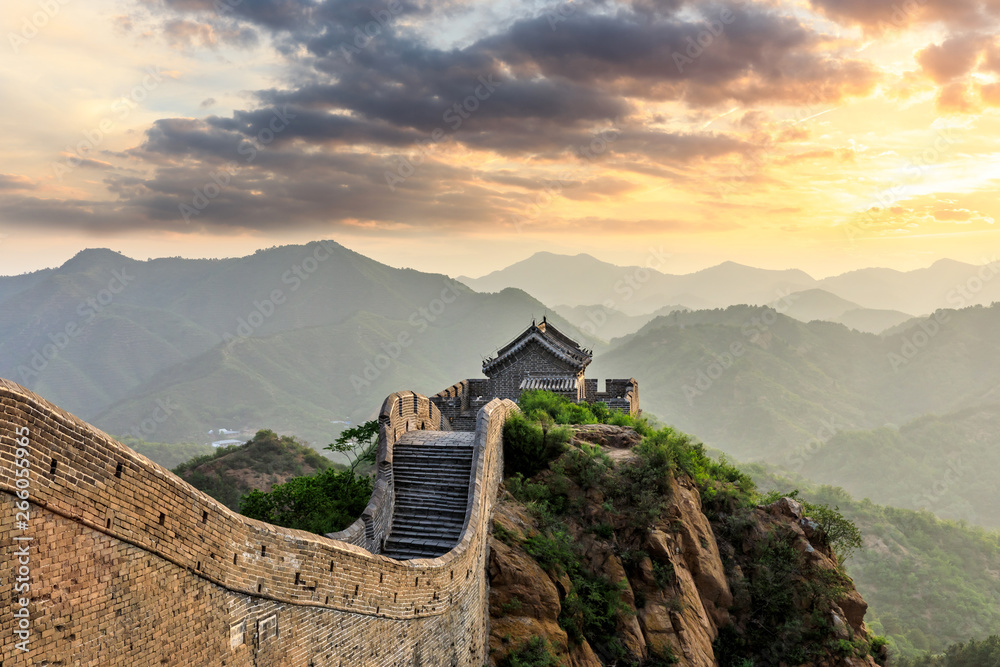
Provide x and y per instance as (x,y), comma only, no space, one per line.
(431,471)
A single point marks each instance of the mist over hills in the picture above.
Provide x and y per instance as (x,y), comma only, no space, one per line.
(184,346)
(299,337)
(827,402)
(867,299)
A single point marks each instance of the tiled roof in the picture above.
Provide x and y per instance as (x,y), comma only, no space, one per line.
(553,341)
(550,383)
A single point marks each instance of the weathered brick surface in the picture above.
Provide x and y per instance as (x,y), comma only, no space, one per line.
(130,566)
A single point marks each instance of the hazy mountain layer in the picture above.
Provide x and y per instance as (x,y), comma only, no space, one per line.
(294,337)
(637,290)
(758,384)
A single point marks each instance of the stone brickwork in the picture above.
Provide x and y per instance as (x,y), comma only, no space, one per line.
(506,381)
(620,395)
(129,566)
(401,412)
(457,401)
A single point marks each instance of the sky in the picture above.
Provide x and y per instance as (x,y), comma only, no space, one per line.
(460,137)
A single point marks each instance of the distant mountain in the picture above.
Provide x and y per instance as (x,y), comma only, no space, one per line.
(817,304)
(813,304)
(582,279)
(944,284)
(608,323)
(573,280)
(871,320)
(287,338)
(945,464)
(790,384)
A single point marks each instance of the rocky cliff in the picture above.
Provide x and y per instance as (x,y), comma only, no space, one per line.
(607,558)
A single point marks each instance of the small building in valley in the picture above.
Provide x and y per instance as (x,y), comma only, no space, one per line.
(541,357)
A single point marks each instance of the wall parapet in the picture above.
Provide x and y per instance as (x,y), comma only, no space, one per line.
(401,412)
(115,496)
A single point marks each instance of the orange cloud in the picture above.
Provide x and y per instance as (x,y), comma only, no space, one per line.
(953,58)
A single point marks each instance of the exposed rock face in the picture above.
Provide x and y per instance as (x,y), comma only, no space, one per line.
(606,435)
(679,592)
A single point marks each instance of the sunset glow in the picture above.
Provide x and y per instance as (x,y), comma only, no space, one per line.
(823,135)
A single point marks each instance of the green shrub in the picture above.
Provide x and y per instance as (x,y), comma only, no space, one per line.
(544,401)
(576,413)
(563,411)
(324,503)
(841,533)
(588,466)
(528,447)
(985,653)
(535,652)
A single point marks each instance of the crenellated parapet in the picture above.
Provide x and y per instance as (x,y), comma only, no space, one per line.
(131,566)
(401,412)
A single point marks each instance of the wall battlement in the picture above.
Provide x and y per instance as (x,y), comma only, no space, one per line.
(131,566)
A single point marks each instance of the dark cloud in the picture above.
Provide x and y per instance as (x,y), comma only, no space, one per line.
(369,114)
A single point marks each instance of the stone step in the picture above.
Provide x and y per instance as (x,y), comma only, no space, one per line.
(431,472)
(424,464)
(429,509)
(423,533)
(403,552)
(443,490)
(433,486)
(457,473)
(407,457)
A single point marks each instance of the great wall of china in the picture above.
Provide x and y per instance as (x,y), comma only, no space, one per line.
(119,563)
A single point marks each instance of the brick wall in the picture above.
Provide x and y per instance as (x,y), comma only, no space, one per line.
(130,566)
(401,412)
(505,382)
(618,394)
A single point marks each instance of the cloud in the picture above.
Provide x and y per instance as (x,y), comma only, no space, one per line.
(960,216)
(888,15)
(956,98)
(365,95)
(16,182)
(953,58)
(185,34)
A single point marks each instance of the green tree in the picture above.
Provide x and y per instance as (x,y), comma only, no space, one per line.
(359,444)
